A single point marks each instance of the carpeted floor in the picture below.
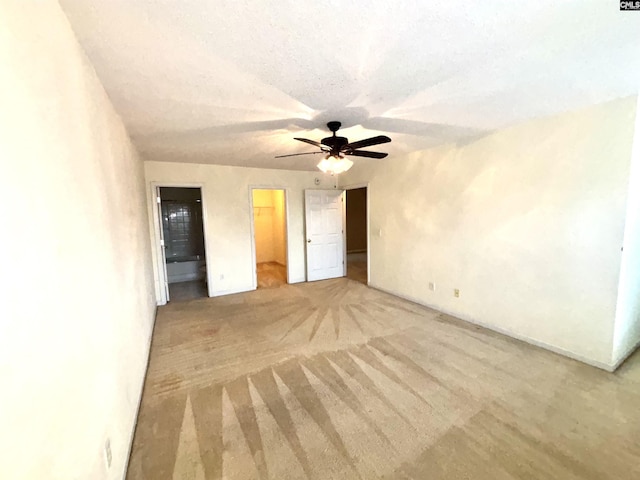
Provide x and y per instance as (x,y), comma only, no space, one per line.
(333,380)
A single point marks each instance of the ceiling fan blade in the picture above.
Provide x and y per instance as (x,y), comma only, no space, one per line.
(296,154)
(364,153)
(369,141)
(314,143)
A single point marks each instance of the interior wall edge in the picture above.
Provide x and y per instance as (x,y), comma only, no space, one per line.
(627,310)
(618,362)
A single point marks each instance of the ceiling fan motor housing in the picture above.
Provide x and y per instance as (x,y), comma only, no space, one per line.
(334,126)
(336,143)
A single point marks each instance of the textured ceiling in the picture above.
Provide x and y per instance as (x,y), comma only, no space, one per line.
(232,82)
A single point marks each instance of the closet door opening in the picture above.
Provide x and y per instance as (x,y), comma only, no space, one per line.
(270,237)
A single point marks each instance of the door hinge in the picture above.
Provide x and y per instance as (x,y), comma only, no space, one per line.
(158,199)
(162,243)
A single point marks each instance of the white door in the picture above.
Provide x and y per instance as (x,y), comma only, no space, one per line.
(325,237)
(163,256)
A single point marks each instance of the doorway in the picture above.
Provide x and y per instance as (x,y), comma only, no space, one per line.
(184,245)
(270,237)
(357,238)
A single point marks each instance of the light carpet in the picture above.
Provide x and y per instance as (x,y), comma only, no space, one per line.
(334,380)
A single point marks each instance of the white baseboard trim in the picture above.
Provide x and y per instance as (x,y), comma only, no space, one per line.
(222,293)
(508,333)
(144,378)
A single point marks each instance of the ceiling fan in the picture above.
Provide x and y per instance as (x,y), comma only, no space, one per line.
(336,148)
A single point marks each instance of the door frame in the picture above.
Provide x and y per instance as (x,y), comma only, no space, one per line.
(157,225)
(253,230)
(355,186)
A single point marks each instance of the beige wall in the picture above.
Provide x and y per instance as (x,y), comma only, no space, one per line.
(527,222)
(228,216)
(77,310)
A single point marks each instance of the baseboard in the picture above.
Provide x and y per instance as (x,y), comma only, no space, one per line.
(144,378)
(507,333)
(232,292)
(626,355)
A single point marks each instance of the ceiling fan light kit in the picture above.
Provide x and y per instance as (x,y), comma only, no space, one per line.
(335,165)
(337,147)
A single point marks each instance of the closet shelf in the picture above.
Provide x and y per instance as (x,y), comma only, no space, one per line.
(259,209)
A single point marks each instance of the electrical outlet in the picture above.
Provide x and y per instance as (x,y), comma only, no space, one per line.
(432,286)
(456,292)
(107,453)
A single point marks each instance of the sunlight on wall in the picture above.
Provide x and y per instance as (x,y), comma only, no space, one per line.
(627,327)
(527,222)
(77,316)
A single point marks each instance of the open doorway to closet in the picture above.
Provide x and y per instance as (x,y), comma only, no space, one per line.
(270,236)
(184,245)
(357,239)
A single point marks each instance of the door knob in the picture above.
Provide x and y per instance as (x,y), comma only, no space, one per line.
(309,240)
